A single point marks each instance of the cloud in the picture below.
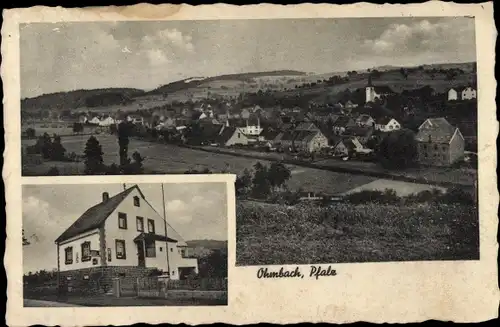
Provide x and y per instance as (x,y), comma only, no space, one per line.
(176,205)
(421,36)
(167,37)
(157,57)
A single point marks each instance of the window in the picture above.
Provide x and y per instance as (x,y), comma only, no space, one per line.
(86,251)
(120,249)
(122,220)
(239,135)
(140,224)
(161,249)
(150,250)
(171,249)
(68,255)
(137,203)
(109,254)
(151,226)
(435,147)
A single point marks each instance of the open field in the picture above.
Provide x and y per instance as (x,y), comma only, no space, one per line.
(432,175)
(162,158)
(270,234)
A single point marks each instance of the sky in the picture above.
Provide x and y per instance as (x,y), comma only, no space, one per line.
(87,55)
(194,210)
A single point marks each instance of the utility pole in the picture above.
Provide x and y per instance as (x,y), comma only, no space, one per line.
(165,221)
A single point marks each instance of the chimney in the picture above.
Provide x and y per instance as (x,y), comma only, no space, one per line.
(105,196)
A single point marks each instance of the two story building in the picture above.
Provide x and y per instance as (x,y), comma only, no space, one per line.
(439,143)
(121,236)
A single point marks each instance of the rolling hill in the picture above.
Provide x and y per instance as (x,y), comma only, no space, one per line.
(284,83)
(80,98)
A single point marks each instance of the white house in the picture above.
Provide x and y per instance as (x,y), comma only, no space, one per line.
(108,121)
(452,95)
(95,120)
(122,233)
(387,124)
(469,93)
(135,119)
(464,93)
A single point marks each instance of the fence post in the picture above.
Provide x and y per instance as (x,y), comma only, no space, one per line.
(137,285)
(116,286)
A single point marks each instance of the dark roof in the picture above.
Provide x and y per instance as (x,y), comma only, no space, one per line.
(211,131)
(383,120)
(269,133)
(95,216)
(226,134)
(342,121)
(359,131)
(307,127)
(299,135)
(153,237)
(435,130)
(383,89)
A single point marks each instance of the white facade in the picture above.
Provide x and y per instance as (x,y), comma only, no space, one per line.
(95,121)
(113,232)
(392,125)
(452,95)
(108,121)
(151,252)
(73,260)
(469,93)
(371,94)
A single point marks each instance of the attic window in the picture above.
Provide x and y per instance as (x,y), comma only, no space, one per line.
(137,203)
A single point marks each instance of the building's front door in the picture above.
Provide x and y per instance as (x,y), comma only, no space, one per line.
(140,254)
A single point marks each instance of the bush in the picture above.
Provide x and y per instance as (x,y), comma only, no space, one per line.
(53,171)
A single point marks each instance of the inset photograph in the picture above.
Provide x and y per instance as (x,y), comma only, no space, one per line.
(125,244)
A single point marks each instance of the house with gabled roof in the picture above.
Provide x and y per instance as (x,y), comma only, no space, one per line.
(302,140)
(439,143)
(232,136)
(340,124)
(462,93)
(121,236)
(387,124)
(365,120)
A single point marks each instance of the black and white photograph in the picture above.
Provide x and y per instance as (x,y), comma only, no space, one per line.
(102,245)
(353,139)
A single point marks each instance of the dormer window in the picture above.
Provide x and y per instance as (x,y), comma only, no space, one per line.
(137,202)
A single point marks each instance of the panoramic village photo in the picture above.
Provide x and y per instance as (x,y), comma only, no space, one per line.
(353,139)
(125,244)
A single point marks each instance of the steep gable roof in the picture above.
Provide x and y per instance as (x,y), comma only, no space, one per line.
(436,130)
(383,120)
(227,133)
(95,216)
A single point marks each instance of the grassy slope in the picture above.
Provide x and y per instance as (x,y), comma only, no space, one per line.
(231,85)
(272,234)
(163,158)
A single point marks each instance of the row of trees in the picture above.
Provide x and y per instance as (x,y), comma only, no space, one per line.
(263,180)
(51,148)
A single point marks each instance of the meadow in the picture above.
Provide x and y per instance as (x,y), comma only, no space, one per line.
(269,234)
(164,158)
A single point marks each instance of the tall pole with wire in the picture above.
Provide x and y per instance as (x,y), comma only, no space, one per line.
(165,221)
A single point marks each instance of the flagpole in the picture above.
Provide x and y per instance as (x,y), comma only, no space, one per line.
(165,221)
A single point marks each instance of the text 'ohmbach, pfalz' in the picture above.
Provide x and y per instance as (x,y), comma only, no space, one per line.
(314,272)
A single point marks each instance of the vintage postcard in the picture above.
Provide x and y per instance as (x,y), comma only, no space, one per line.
(306,163)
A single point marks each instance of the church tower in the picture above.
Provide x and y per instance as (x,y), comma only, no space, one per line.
(370,90)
